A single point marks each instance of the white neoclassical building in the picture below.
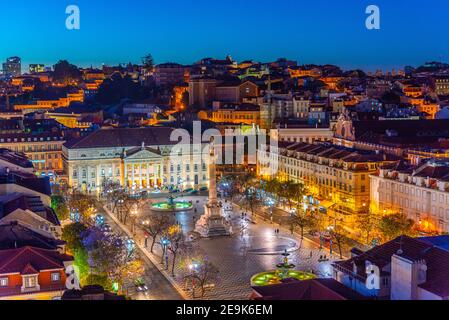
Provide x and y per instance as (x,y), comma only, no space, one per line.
(137,158)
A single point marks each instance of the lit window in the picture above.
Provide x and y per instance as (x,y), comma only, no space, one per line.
(55,277)
(3,282)
(30,282)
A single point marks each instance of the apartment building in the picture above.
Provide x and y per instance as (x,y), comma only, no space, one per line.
(336,178)
(421,192)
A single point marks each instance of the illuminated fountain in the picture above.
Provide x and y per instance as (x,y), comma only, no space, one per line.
(171,205)
(284,271)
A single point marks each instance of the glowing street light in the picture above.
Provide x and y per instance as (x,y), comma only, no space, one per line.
(165,243)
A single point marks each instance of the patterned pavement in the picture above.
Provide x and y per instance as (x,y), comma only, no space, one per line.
(253,248)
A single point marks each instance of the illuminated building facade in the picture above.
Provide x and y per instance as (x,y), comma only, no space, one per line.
(36,68)
(237,114)
(137,158)
(442,85)
(336,179)
(44,150)
(421,192)
(51,104)
(12,67)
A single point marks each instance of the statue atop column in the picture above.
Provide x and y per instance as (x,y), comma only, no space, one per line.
(212,223)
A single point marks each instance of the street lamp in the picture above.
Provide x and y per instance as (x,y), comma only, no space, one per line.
(193,269)
(165,242)
(146,223)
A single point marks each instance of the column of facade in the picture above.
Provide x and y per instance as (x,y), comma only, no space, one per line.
(162,172)
(148,174)
(155,173)
(123,174)
(132,175)
(88,185)
(113,172)
(97,175)
(140,174)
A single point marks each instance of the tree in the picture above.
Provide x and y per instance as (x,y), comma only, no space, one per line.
(177,244)
(124,204)
(395,225)
(148,62)
(116,88)
(292,192)
(367,223)
(338,234)
(64,72)
(198,270)
(72,234)
(320,224)
(81,203)
(231,186)
(59,205)
(156,226)
(108,255)
(82,263)
(273,186)
(302,220)
(251,199)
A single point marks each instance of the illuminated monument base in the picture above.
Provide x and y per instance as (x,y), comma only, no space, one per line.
(212,223)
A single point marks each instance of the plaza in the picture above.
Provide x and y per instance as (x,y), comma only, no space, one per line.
(253,248)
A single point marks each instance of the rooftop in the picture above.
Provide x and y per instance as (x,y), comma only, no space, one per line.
(14,235)
(21,259)
(435,256)
(123,137)
(316,289)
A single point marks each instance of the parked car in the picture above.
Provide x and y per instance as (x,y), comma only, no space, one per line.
(141,286)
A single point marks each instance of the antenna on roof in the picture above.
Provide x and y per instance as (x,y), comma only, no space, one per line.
(400,251)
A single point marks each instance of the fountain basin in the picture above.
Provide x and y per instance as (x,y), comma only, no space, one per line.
(176,206)
(272,277)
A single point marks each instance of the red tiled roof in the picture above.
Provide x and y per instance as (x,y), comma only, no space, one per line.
(29,269)
(437,261)
(316,289)
(20,260)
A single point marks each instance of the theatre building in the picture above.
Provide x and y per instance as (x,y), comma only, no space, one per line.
(137,158)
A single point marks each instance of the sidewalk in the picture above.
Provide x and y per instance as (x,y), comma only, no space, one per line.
(140,245)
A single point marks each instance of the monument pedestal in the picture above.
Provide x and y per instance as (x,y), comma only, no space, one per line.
(212,223)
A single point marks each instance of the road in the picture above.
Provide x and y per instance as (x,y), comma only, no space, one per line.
(159,287)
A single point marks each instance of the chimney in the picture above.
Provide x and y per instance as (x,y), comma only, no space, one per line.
(406,276)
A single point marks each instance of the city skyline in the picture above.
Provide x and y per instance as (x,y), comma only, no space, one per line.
(252,151)
(318,33)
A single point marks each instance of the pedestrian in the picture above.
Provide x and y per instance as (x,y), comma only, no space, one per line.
(311,254)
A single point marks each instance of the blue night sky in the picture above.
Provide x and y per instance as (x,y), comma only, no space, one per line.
(318,31)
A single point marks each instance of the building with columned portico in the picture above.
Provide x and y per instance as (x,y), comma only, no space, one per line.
(137,158)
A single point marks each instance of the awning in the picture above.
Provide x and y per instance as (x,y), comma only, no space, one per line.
(326,204)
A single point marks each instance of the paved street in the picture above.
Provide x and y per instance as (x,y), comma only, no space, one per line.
(159,287)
